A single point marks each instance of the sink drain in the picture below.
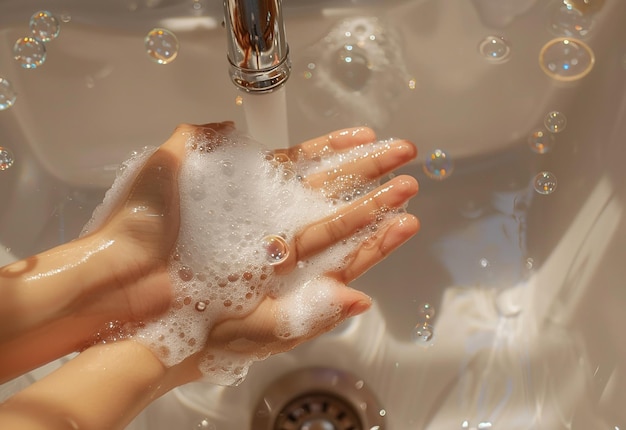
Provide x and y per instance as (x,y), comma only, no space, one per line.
(318,399)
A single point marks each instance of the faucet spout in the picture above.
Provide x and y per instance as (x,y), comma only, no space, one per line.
(257,49)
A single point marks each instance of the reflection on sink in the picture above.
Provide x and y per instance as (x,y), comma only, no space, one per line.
(522,277)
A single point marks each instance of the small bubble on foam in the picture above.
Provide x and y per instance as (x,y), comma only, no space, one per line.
(185,274)
(276,249)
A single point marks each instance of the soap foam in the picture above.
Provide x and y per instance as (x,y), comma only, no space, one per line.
(233,195)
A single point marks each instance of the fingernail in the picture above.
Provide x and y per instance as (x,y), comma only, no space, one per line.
(359,307)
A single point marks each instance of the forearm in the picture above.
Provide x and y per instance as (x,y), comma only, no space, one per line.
(104,387)
(39,315)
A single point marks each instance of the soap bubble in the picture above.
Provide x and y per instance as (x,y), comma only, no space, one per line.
(7,94)
(6,158)
(566,59)
(567,21)
(423,332)
(44,26)
(352,68)
(161,45)
(438,165)
(205,424)
(276,248)
(29,52)
(495,49)
(541,141)
(545,183)
(555,121)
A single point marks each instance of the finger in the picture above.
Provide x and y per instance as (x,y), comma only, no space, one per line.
(383,160)
(339,140)
(379,246)
(353,217)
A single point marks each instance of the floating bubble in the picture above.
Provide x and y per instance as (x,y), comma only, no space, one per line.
(276,248)
(7,94)
(205,424)
(29,52)
(495,49)
(584,6)
(438,165)
(423,332)
(6,158)
(161,45)
(570,22)
(566,59)
(427,312)
(541,141)
(44,26)
(555,122)
(352,68)
(545,183)
(200,306)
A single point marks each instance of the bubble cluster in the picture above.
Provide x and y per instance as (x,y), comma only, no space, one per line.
(438,165)
(29,52)
(545,183)
(566,59)
(161,45)
(235,228)
(6,158)
(7,94)
(44,26)
(495,49)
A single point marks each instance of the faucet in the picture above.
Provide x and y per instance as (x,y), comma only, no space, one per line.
(257,49)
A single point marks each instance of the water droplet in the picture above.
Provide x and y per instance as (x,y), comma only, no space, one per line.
(555,122)
(541,141)
(227,168)
(567,21)
(200,306)
(65,17)
(495,49)
(6,158)
(412,84)
(484,263)
(276,248)
(438,165)
(7,94)
(44,26)
(423,332)
(238,101)
(530,263)
(161,45)
(426,311)
(382,412)
(545,183)
(29,52)
(566,59)
(205,424)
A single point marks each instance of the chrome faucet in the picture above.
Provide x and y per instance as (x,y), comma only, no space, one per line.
(257,49)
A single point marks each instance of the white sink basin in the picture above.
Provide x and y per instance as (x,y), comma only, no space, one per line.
(527,287)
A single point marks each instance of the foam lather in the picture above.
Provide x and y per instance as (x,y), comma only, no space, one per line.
(233,194)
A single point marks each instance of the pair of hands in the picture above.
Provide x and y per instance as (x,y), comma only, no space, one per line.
(119,271)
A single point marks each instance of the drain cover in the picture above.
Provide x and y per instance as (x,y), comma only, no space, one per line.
(318,411)
(318,399)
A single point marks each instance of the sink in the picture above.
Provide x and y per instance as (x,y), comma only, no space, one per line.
(505,311)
